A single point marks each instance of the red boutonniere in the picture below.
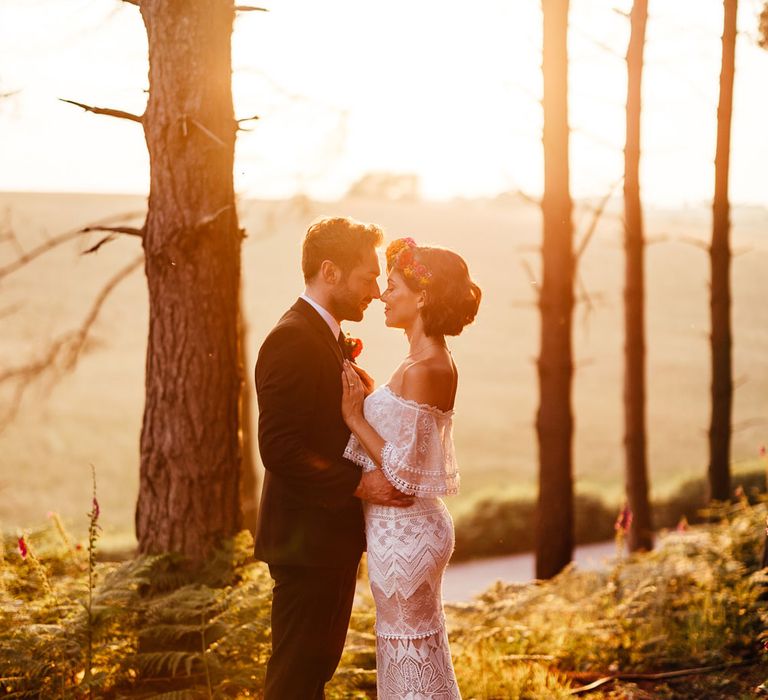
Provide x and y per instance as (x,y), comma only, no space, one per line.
(352,347)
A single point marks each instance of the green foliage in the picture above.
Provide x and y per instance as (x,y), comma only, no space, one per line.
(160,631)
(693,601)
(152,628)
(500,526)
(496,526)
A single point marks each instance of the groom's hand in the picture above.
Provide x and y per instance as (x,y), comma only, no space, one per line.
(367,380)
(375,488)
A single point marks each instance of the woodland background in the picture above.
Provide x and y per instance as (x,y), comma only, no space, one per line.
(617,355)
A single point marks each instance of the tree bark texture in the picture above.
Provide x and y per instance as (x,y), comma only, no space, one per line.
(720,263)
(190,438)
(640,535)
(554,419)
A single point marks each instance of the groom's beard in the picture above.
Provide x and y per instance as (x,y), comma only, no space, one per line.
(347,305)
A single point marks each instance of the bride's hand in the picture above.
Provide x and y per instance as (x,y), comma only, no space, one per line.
(352,395)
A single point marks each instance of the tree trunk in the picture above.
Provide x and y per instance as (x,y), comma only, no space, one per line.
(190,449)
(640,534)
(720,261)
(554,420)
(249,480)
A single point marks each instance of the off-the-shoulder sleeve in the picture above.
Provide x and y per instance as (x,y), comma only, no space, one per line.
(420,459)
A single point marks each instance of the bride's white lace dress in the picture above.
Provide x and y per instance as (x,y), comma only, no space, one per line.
(409,548)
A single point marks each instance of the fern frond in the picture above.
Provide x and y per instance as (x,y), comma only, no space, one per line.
(159,663)
(180,632)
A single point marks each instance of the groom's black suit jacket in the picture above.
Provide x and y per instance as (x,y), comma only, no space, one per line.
(308,515)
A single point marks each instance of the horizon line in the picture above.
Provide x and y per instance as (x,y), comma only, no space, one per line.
(524,198)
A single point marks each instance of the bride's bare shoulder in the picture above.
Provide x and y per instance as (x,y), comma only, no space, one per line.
(431,381)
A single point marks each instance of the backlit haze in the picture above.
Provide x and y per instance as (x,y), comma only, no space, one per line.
(445,90)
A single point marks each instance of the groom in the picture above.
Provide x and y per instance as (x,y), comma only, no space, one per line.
(311,530)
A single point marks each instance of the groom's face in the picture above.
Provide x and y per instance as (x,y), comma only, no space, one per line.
(358,288)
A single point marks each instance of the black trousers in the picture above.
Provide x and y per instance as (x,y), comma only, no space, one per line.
(311,607)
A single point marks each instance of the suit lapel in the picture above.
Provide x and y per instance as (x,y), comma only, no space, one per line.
(320,327)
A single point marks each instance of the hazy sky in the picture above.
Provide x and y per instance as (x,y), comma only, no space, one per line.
(448,90)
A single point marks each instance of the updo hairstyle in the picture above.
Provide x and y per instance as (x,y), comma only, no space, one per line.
(451,297)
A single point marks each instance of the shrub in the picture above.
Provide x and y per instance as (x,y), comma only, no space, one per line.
(496,526)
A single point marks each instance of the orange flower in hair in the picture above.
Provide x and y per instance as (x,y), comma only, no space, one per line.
(401,256)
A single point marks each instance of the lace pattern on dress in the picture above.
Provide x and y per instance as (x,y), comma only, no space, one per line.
(418,457)
(408,550)
(356,453)
(415,669)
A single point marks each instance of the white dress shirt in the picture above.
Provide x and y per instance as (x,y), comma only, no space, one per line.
(333,324)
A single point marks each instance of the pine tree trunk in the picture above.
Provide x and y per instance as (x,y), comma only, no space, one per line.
(720,261)
(190,449)
(554,420)
(640,534)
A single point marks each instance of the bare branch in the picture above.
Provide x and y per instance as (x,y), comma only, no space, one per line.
(94,248)
(529,198)
(127,230)
(597,214)
(596,42)
(690,240)
(595,138)
(27,257)
(120,114)
(654,240)
(206,131)
(63,354)
(585,298)
(212,217)
(740,381)
(246,119)
(660,676)
(531,277)
(757,421)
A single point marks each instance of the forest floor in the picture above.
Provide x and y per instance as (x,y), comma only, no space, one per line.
(691,611)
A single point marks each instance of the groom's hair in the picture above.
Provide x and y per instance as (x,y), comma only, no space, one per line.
(339,239)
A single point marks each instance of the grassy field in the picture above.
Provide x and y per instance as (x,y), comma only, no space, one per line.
(94,415)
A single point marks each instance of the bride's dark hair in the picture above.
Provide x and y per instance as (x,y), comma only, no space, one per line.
(451,297)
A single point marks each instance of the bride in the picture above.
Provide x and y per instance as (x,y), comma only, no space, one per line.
(404,428)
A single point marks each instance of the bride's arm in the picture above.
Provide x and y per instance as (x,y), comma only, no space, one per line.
(374,486)
(421,383)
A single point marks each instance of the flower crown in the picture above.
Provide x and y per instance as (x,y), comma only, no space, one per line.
(401,255)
